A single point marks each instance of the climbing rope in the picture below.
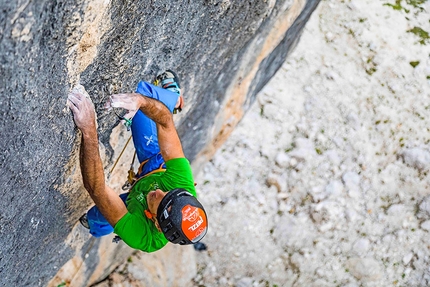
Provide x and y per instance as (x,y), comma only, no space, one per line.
(114,165)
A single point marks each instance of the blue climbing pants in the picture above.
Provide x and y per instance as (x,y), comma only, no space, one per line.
(145,139)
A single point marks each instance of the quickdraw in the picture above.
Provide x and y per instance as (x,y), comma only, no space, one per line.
(127,122)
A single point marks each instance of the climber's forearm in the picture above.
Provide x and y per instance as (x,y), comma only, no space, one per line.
(168,139)
(105,198)
(91,165)
(156,111)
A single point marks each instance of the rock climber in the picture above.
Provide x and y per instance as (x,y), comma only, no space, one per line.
(161,205)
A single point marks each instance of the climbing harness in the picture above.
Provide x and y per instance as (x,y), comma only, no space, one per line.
(132,177)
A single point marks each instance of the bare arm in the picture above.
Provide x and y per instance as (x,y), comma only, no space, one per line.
(168,139)
(108,202)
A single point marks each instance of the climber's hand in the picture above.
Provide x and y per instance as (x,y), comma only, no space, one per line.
(83,110)
(130,102)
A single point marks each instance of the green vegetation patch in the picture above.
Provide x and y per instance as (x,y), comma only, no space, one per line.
(371,66)
(397,6)
(416,3)
(371,70)
(414,63)
(422,34)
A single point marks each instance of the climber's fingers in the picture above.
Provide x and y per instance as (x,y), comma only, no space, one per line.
(82,109)
(130,114)
(75,99)
(126,101)
(72,106)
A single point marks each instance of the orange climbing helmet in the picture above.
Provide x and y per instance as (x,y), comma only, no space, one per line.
(181,217)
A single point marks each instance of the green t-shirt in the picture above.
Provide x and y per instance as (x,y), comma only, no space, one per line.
(135,228)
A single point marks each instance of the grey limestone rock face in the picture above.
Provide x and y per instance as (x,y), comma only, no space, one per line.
(224,51)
